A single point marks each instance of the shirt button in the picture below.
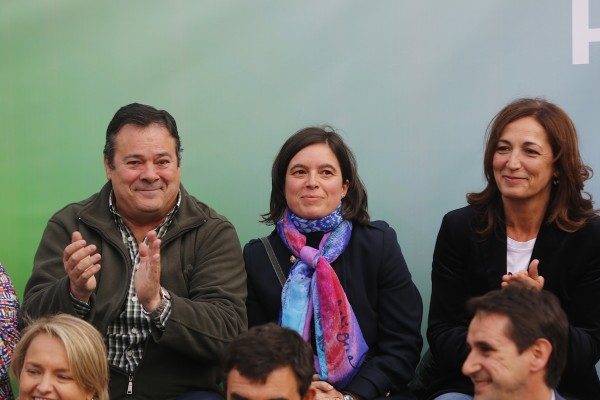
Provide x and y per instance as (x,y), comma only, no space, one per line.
(134,330)
(129,238)
(129,353)
(134,299)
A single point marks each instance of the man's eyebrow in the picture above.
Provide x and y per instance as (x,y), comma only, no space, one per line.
(157,155)
(482,344)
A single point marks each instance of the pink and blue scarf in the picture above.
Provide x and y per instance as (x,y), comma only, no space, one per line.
(313,289)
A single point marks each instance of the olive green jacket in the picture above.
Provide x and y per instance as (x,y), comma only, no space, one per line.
(201,267)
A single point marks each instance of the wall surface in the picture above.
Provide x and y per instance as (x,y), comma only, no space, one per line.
(411,85)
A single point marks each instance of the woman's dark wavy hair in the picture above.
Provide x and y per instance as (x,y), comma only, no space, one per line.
(354,205)
(568,208)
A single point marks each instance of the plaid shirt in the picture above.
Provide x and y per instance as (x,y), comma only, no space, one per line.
(127,334)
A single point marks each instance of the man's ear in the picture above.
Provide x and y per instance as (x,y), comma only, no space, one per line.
(107,168)
(311,393)
(540,353)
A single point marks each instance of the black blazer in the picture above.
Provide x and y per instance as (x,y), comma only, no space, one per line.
(465,266)
(378,285)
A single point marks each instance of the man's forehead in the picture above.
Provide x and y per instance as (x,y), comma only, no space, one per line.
(488,328)
(133,139)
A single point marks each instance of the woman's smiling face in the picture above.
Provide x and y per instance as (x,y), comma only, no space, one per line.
(314,186)
(46,373)
(523,162)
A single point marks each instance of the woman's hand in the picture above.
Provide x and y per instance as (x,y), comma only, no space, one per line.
(529,278)
(325,391)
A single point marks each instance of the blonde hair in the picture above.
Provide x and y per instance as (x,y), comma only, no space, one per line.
(86,353)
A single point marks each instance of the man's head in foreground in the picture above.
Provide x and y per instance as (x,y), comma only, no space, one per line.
(518,339)
(269,362)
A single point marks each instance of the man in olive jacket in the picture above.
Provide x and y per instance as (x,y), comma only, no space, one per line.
(159,273)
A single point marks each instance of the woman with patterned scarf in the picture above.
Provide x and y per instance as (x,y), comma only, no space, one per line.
(332,275)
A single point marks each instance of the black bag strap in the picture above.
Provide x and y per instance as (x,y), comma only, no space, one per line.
(273,259)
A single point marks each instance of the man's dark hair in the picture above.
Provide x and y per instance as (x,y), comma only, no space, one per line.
(264,348)
(533,315)
(140,115)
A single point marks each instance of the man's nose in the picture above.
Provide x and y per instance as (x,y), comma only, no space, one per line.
(470,366)
(149,172)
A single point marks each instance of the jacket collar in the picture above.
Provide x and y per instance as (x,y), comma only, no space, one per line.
(493,252)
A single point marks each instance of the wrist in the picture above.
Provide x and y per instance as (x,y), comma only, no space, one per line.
(350,396)
(158,308)
(83,298)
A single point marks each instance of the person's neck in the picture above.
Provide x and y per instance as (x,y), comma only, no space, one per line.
(141,228)
(534,392)
(313,239)
(523,219)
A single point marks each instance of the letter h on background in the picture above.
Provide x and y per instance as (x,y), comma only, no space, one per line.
(583,35)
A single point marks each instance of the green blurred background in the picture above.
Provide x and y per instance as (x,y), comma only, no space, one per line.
(411,85)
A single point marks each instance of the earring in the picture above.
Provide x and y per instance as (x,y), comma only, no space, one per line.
(555,181)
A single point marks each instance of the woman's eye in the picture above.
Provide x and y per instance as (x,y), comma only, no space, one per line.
(532,152)
(298,172)
(502,149)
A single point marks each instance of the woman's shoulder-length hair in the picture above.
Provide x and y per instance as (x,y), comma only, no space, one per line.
(354,204)
(569,207)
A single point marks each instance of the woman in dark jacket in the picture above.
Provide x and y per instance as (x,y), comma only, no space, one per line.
(531,226)
(343,284)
